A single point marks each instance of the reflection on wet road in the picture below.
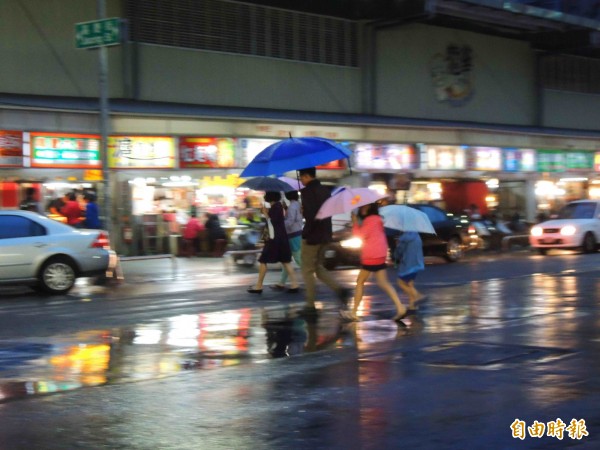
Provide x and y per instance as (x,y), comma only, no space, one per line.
(210,340)
(164,348)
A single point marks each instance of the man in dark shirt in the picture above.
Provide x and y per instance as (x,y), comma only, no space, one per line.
(30,202)
(315,236)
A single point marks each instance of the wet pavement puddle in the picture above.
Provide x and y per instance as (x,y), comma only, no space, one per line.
(481,355)
(166,347)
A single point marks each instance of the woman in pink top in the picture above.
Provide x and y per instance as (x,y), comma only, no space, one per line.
(190,236)
(372,259)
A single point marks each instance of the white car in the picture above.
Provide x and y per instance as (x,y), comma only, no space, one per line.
(49,255)
(577,226)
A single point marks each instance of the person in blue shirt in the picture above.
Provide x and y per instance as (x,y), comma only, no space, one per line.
(92,212)
(409,254)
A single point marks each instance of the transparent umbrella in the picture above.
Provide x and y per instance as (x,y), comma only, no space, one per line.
(346,199)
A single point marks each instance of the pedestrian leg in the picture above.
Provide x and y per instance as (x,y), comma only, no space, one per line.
(386,286)
(282,278)
(309,267)
(325,276)
(296,256)
(290,271)
(363,276)
(408,288)
(262,271)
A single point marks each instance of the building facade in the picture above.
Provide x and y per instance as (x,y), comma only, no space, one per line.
(434,111)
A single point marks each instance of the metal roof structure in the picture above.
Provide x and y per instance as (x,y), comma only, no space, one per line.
(558,26)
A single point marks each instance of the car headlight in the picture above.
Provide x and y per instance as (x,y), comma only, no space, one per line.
(537,231)
(351,243)
(568,230)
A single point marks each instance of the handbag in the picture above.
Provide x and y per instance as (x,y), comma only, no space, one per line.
(269,230)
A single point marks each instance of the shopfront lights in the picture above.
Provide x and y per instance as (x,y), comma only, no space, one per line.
(573,179)
(568,230)
(493,183)
(537,231)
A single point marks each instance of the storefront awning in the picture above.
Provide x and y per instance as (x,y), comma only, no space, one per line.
(174,110)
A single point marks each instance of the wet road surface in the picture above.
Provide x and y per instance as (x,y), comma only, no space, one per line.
(479,356)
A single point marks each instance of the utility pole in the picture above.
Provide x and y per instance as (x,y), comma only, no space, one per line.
(104,120)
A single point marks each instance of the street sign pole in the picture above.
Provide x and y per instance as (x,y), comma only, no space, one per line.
(100,34)
(104,121)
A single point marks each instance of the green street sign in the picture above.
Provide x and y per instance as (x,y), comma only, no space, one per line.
(98,33)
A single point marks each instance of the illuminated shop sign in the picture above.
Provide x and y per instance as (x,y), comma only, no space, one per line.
(579,160)
(551,161)
(11,148)
(518,159)
(597,162)
(484,158)
(338,164)
(206,152)
(141,152)
(561,160)
(443,157)
(385,156)
(252,147)
(56,150)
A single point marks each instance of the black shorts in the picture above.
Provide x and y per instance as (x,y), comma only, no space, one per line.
(373,268)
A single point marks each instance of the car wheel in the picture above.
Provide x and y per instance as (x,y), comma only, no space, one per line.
(330,264)
(542,251)
(57,276)
(589,243)
(330,258)
(454,249)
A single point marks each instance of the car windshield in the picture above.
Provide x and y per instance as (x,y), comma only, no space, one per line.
(578,211)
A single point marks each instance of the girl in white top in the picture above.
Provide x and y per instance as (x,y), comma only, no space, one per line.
(293,227)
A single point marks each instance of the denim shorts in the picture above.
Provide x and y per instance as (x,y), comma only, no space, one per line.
(408,277)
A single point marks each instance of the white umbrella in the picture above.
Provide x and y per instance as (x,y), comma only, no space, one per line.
(405,218)
(346,199)
(293,182)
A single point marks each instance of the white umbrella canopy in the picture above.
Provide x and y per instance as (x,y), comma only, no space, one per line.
(405,218)
(346,199)
(293,182)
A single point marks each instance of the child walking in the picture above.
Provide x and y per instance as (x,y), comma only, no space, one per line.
(409,254)
(372,259)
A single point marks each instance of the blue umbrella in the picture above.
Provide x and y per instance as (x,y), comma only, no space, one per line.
(267,184)
(295,154)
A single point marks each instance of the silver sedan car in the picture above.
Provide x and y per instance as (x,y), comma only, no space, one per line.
(49,255)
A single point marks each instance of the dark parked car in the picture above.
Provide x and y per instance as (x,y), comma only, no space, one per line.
(450,242)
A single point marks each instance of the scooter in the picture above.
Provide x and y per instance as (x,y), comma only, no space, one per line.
(244,244)
(490,233)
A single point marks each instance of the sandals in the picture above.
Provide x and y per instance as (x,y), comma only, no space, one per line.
(347,316)
(398,317)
